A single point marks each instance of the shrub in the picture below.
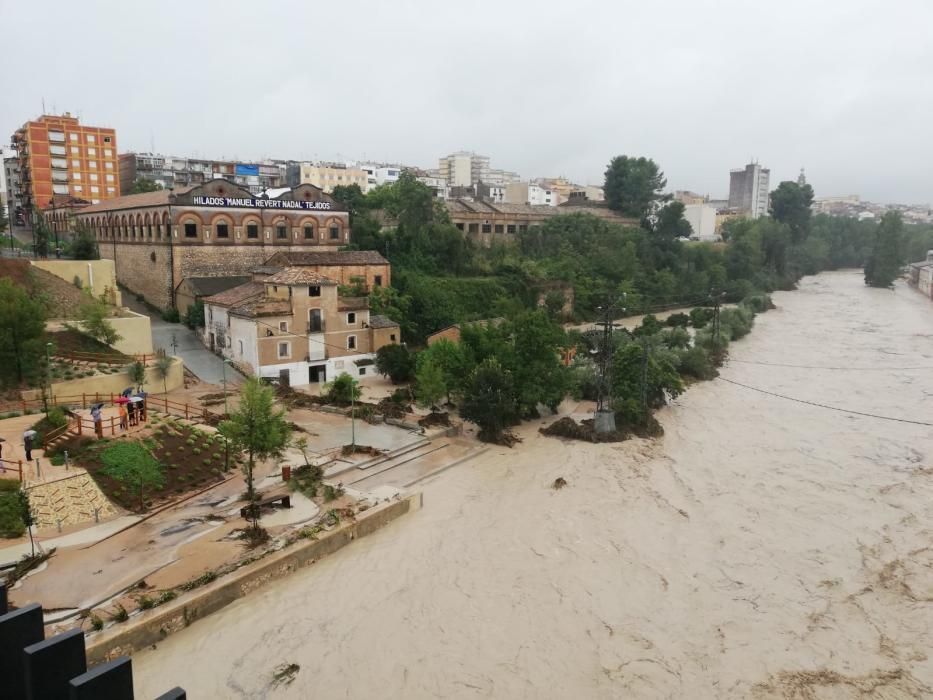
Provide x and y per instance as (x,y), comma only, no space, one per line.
(96,623)
(695,362)
(738,320)
(196,451)
(758,303)
(678,320)
(180,448)
(11,512)
(167,596)
(171,315)
(119,614)
(206,461)
(76,281)
(330,493)
(675,338)
(700,316)
(145,602)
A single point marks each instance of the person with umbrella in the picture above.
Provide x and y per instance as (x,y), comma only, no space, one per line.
(121,405)
(98,420)
(28,437)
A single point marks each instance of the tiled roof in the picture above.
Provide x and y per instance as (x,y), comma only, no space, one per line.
(380,321)
(262,306)
(298,275)
(132,201)
(236,295)
(265,270)
(207,286)
(336,257)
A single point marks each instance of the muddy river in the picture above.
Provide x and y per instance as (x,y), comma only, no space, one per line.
(764,548)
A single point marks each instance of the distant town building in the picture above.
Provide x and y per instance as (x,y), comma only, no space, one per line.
(217,229)
(530,193)
(465,169)
(377,175)
(180,171)
(291,322)
(326,176)
(57,155)
(485,223)
(702,219)
(688,197)
(436,183)
(748,190)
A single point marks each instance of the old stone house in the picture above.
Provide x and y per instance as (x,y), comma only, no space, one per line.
(216,229)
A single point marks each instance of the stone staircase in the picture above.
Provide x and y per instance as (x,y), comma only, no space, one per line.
(69,501)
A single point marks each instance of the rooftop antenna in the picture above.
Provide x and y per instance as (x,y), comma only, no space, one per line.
(43,105)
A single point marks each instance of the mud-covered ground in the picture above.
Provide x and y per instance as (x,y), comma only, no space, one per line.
(763,548)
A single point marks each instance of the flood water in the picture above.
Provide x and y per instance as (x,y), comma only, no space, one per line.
(763,548)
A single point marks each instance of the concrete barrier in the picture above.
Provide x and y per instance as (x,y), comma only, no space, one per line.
(152,626)
(106,384)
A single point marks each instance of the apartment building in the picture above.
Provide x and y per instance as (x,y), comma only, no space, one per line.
(466,169)
(59,156)
(377,175)
(326,176)
(180,171)
(294,326)
(748,190)
(530,193)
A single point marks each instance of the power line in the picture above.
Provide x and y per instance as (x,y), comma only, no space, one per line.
(860,369)
(822,405)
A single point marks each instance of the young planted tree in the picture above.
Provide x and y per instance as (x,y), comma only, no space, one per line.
(133,464)
(343,390)
(163,366)
(260,429)
(137,372)
(94,313)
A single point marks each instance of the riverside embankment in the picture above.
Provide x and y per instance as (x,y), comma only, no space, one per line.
(762,548)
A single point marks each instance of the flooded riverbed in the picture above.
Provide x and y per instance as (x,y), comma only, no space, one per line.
(763,548)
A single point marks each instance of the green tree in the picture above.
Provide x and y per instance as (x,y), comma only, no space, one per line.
(670,223)
(533,356)
(790,204)
(22,323)
(884,263)
(430,387)
(84,243)
(489,400)
(137,374)
(451,359)
(133,464)
(343,390)
(43,237)
(94,313)
(25,514)
(395,362)
(163,366)
(4,220)
(260,429)
(194,316)
(634,363)
(144,184)
(633,185)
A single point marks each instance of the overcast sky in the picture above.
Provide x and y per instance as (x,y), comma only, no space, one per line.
(843,88)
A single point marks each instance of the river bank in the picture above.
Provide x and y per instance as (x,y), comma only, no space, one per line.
(762,548)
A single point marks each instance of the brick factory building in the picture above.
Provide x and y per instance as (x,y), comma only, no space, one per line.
(59,157)
(218,229)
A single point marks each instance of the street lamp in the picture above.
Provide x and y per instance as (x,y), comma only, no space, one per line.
(48,376)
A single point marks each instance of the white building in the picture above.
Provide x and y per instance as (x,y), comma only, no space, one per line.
(377,175)
(530,193)
(748,190)
(702,219)
(438,184)
(465,169)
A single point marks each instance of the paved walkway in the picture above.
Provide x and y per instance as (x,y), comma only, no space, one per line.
(188,346)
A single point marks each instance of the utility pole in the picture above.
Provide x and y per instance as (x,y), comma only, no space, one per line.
(716,298)
(604,421)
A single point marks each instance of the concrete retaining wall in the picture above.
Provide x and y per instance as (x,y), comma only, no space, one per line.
(96,275)
(106,384)
(152,626)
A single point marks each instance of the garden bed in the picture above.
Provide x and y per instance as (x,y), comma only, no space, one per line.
(183,459)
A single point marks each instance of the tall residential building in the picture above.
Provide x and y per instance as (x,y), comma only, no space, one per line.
(377,174)
(59,157)
(179,171)
(326,176)
(465,169)
(748,190)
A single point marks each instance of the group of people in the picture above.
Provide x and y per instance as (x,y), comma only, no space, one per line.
(132,412)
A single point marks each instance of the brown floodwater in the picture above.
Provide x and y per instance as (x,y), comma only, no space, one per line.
(763,548)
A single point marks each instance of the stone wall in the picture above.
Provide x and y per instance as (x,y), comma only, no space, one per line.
(142,268)
(152,626)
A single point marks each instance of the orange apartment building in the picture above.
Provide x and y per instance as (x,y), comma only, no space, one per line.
(61,159)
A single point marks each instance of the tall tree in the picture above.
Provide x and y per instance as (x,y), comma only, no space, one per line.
(451,360)
(144,184)
(258,428)
(885,261)
(489,400)
(790,204)
(22,322)
(84,243)
(633,184)
(430,387)
(670,222)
